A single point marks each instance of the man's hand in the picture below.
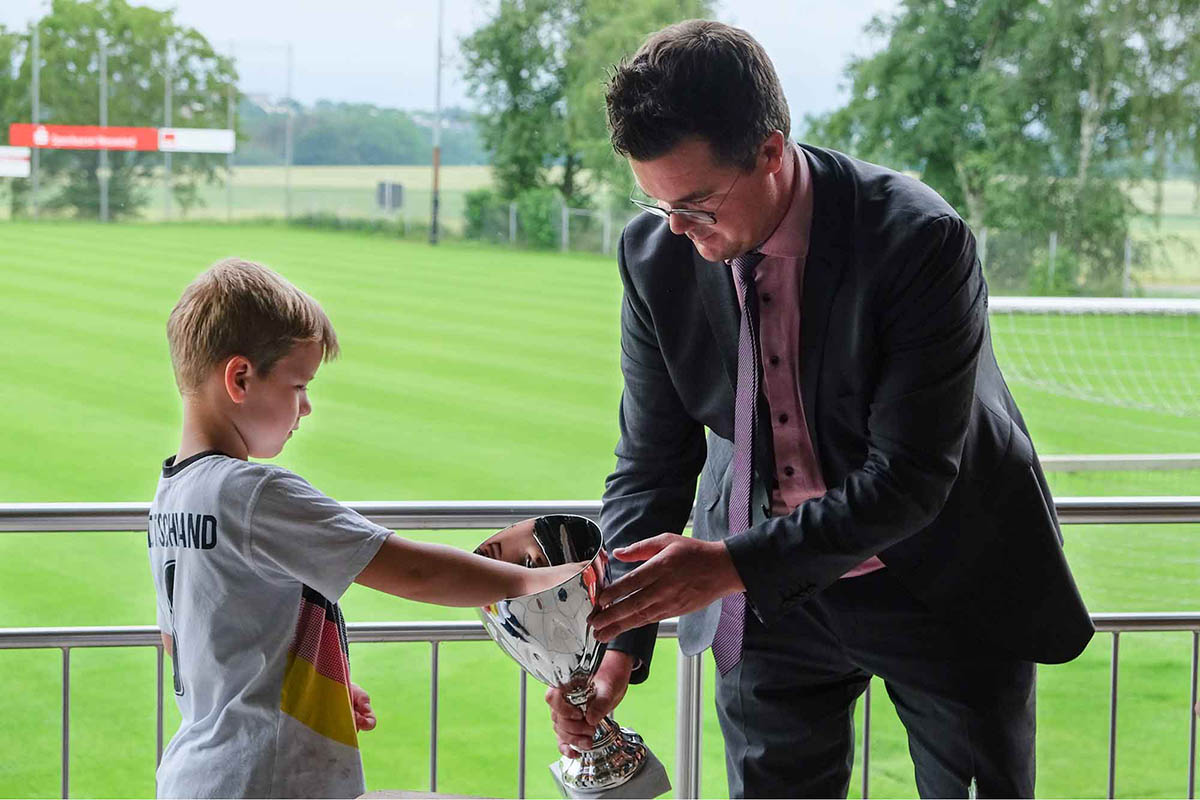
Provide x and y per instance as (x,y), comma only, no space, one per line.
(680,575)
(571,727)
(360,701)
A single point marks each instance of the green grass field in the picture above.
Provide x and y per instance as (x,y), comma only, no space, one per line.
(467,373)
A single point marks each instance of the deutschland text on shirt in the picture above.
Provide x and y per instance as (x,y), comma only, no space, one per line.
(182,529)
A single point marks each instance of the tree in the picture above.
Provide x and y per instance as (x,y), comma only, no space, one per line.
(13,98)
(515,70)
(143,45)
(537,70)
(606,32)
(940,97)
(1166,118)
(12,51)
(1024,113)
(354,133)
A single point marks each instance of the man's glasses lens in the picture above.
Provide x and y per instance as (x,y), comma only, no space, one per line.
(692,215)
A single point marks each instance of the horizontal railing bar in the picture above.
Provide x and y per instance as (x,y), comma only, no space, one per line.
(400,515)
(1127,510)
(463,515)
(95,636)
(1094,305)
(1142,622)
(470,631)
(149,635)
(1121,463)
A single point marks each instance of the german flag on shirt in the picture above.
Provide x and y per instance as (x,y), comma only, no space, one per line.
(316,686)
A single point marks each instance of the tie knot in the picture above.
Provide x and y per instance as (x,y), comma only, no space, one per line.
(743,268)
(748,260)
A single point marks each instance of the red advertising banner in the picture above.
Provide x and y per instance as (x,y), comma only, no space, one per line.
(82,137)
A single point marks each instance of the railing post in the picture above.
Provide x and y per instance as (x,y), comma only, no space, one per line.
(66,722)
(158,703)
(1127,269)
(433,717)
(565,233)
(866,745)
(1193,712)
(687,727)
(1112,717)
(1050,261)
(521,737)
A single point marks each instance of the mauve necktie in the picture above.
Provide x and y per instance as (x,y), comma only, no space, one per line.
(727,642)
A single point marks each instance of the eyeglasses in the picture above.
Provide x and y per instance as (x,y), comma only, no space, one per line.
(690,214)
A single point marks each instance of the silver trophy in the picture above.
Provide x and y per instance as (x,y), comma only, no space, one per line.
(548,634)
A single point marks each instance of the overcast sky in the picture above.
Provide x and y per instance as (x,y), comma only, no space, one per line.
(385,52)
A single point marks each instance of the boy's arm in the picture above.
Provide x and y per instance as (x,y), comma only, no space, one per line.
(436,573)
(168,644)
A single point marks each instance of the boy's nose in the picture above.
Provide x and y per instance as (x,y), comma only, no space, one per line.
(305,407)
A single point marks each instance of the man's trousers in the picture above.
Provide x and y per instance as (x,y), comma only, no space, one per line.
(787,709)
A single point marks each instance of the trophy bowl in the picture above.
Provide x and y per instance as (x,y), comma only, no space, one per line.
(548,634)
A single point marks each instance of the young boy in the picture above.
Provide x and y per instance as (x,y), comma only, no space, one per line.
(249,560)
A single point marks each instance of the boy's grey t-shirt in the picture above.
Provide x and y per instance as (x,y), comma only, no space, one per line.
(248,562)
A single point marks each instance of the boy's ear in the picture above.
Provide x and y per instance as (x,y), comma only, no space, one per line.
(237,370)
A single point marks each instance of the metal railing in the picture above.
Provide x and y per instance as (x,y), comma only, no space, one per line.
(29,517)
(432,633)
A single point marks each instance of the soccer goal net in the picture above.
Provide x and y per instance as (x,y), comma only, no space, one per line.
(1141,353)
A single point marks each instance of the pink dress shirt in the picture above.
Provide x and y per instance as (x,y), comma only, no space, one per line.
(779,278)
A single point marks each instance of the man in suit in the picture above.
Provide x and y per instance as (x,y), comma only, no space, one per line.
(869,499)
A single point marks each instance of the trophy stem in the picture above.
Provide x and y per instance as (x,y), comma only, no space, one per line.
(615,756)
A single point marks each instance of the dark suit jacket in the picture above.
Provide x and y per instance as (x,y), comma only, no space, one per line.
(925,455)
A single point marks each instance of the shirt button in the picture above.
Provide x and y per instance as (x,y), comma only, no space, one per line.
(789,471)
(783,418)
(774,360)
(766,298)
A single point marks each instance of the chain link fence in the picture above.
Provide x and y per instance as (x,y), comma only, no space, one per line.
(1148,263)
(539,219)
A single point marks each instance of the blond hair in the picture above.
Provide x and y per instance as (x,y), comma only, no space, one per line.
(237,307)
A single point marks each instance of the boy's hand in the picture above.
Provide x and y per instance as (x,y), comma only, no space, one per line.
(360,701)
(574,728)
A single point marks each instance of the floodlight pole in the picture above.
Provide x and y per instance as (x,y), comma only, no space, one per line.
(287,142)
(167,102)
(102,172)
(437,133)
(37,95)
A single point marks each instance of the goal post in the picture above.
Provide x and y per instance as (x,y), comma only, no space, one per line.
(1138,353)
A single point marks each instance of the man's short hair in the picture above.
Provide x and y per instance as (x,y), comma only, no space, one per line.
(696,79)
(237,307)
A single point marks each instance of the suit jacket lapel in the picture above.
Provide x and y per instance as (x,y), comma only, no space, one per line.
(828,250)
(720,303)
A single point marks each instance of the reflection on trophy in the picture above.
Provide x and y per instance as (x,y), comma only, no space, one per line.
(548,635)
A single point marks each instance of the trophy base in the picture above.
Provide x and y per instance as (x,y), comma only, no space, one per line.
(649,781)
